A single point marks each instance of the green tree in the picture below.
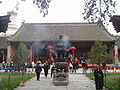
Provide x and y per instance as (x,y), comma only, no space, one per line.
(99,53)
(98,10)
(43,5)
(21,55)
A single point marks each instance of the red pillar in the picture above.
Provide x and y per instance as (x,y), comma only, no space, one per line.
(30,54)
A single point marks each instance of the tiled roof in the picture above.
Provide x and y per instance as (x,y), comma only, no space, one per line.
(3,42)
(117,41)
(51,32)
(4,20)
(115,19)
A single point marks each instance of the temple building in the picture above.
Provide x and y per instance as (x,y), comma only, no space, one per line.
(115,19)
(8,26)
(4,20)
(37,36)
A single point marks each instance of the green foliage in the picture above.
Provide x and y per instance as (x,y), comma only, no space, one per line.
(93,10)
(98,53)
(43,5)
(112,80)
(98,10)
(21,55)
(12,80)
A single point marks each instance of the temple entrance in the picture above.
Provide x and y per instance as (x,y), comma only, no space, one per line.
(40,53)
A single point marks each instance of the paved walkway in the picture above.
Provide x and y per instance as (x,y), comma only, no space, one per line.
(76,82)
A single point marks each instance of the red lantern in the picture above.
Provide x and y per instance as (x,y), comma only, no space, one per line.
(73,48)
(50,47)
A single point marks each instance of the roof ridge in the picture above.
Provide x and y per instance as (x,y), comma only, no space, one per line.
(64,23)
(29,32)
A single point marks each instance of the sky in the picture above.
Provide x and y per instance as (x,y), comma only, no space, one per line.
(60,11)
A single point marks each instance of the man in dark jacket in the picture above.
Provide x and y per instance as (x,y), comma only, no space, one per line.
(38,70)
(46,68)
(98,78)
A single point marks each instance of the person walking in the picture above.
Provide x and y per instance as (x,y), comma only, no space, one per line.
(68,62)
(33,65)
(74,66)
(38,70)
(98,74)
(53,70)
(71,67)
(11,66)
(46,68)
(84,66)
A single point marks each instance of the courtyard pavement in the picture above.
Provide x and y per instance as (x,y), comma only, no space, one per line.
(77,81)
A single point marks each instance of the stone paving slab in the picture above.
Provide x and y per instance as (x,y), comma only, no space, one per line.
(76,82)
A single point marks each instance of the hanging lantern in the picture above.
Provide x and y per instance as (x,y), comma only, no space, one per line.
(49,47)
(73,48)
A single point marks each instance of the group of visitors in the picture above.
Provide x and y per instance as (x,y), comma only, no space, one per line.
(98,74)
(73,66)
(8,66)
(45,67)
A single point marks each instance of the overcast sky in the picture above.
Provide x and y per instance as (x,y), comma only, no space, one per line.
(59,11)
